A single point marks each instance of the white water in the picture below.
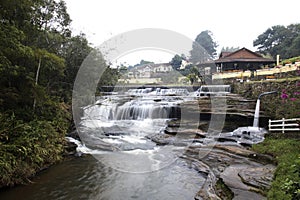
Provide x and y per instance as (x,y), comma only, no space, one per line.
(116,129)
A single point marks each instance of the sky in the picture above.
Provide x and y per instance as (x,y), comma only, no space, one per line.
(234,23)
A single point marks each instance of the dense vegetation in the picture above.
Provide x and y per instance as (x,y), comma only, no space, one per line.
(280,40)
(39,59)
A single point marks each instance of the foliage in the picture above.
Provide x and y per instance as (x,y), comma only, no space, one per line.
(109,77)
(171,78)
(289,101)
(142,62)
(286,182)
(280,40)
(283,105)
(291,60)
(39,60)
(204,47)
(230,49)
(176,61)
(27,147)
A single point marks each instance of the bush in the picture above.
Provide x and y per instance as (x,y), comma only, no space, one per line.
(291,60)
(26,148)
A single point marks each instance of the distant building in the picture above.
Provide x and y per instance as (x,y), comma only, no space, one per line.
(242,59)
(149,70)
(162,67)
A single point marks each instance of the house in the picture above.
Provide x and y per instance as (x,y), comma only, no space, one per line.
(241,60)
(149,70)
(162,67)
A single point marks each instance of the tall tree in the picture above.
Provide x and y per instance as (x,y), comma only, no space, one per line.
(204,47)
(279,40)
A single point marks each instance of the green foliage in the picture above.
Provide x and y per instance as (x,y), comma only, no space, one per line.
(109,77)
(39,61)
(280,40)
(204,47)
(286,104)
(286,180)
(26,148)
(176,61)
(291,60)
(171,78)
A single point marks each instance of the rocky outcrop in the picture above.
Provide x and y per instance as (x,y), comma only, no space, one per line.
(246,178)
(258,177)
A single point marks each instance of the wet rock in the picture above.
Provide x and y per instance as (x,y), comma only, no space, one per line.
(235,150)
(258,177)
(234,165)
(73,134)
(232,178)
(186,133)
(161,139)
(70,149)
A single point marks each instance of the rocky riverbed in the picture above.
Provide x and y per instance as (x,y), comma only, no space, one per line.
(245,174)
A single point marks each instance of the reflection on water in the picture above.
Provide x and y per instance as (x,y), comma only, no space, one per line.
(87,178)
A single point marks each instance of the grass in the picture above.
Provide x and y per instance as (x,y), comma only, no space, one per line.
(286,151)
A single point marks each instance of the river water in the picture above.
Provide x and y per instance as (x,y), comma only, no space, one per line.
(128,155)
(88,178)
(125,164)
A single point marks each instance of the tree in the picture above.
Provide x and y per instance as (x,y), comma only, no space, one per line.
(176,61)
(230,49)
(204,47)
(34,39)
(279,40)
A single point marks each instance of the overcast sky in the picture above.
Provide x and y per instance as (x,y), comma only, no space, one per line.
(233,22)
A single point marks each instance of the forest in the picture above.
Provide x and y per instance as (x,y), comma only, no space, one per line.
(39,59)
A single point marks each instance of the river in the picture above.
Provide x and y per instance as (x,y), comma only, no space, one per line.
(128,154)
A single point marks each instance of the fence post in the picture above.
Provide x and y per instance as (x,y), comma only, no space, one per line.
(283,125)
(270,128)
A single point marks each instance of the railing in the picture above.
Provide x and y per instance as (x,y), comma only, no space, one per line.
(284,125)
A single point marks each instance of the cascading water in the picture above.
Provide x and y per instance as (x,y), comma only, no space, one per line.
(119,128)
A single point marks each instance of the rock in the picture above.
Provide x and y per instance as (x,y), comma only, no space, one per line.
(189,133)
(258,177)
(70,148)
(161,139)
(235,150)
(232,178)
(73,134)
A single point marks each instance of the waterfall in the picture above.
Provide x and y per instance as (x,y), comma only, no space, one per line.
(256,114)
(132,110)
(158,92)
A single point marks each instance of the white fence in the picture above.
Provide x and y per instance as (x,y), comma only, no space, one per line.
(284,125)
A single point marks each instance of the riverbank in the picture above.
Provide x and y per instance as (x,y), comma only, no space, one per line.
(284,148)
(29,147)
